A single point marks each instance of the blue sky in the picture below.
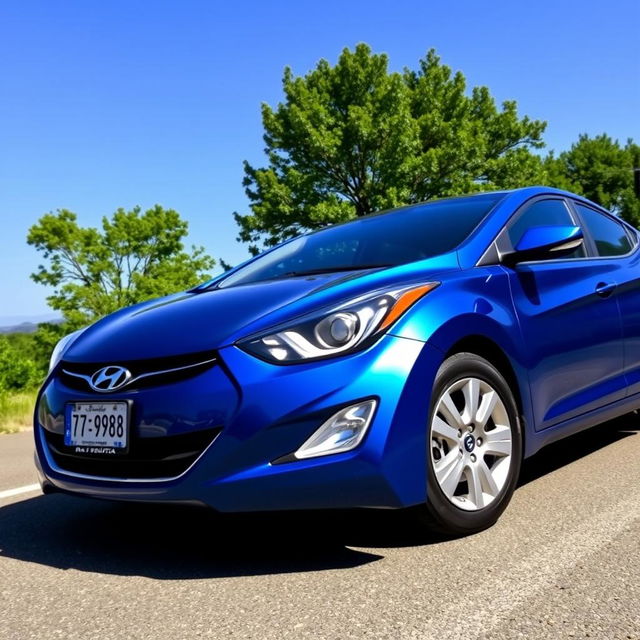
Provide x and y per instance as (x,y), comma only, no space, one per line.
(109,104)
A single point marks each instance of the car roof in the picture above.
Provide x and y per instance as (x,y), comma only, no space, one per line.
(509,195)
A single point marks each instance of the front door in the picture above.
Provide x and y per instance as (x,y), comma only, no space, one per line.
(570,322)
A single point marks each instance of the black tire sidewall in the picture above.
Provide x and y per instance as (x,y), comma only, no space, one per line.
(447,516)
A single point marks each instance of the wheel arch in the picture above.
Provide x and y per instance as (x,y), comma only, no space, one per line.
(486,348)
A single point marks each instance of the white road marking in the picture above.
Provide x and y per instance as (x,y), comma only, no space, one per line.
(29,488)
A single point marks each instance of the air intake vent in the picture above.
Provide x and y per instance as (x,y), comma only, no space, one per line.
(148,458)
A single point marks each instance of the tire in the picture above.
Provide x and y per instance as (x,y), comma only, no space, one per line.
(474,447)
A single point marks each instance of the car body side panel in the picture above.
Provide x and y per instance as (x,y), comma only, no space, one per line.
(482,300)
(628,295)
(573,337)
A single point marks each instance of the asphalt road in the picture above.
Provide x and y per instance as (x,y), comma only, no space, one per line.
(563,562)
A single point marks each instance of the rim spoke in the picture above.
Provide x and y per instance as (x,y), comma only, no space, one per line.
(498,448)
(452,479)
(471,392)
(498,441)
(440,428)
(489,401)
(501,432)
(443,467)
(486,477)
(447,407)
(475,487)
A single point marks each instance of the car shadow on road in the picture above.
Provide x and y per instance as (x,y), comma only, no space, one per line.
(171,542)
(564,452)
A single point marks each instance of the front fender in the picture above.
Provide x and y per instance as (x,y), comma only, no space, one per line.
(473,305)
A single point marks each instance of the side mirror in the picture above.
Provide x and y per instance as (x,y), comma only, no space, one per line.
(538,243)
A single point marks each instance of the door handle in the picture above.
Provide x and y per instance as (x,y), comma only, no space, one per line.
(605,289)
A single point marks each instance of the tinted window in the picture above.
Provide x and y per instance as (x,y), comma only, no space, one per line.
(610,237)
(543,213)
(397,237)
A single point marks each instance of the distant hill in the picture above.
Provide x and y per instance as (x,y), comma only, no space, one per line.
(23,327)
(25,324)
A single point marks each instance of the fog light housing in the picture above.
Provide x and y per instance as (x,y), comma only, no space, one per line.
(343,431)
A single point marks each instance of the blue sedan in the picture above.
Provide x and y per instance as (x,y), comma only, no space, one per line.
(410,358)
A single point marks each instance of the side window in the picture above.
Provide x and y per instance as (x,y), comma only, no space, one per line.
(543,213)
(610,237)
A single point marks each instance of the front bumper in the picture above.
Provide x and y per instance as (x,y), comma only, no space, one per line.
(261,412)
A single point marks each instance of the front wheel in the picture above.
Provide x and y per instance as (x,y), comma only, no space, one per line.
(475,446)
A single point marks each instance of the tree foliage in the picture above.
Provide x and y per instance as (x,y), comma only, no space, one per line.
(353,138)
(18,366)
(600,169)
(133,257)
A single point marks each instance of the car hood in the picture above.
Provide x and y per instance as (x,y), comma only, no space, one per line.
(191,322)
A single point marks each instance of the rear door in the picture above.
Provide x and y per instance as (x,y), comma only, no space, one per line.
(569,318)
(616,244)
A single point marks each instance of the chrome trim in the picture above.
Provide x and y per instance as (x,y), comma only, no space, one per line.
(129,382)
(570,244)
(72,474)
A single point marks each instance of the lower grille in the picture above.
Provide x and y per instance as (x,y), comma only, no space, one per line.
(148,458)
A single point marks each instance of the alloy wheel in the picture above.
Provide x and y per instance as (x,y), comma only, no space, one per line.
(471,443)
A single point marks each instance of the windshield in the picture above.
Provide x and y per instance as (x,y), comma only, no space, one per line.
(381,240)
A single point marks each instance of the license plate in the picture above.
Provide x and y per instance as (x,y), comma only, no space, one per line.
(97,428)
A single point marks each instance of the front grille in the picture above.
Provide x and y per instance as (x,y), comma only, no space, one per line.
(147,458)
(144,373)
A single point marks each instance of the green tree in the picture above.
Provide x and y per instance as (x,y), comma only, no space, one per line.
(600,169)
(353,138)
(44,340)
(133,257)
(17,369)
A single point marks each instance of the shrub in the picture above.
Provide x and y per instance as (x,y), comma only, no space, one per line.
(17,370)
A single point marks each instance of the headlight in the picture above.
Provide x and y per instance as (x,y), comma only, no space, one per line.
(337,330)
(62,346)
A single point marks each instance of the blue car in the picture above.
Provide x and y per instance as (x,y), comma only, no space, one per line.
(410,358)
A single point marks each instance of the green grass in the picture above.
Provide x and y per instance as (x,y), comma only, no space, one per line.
(16,410)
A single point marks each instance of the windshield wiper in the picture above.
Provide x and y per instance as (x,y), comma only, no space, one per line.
(313,272)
